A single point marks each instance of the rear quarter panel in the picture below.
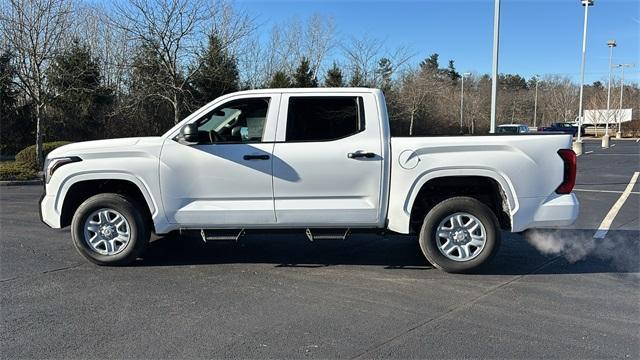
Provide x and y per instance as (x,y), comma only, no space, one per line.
(527,167)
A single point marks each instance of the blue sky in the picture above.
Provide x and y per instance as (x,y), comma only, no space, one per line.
(536,37)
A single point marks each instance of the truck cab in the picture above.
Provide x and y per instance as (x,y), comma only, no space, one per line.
(288,159)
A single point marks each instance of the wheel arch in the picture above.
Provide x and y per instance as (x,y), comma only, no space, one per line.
(77,189)
(488,186)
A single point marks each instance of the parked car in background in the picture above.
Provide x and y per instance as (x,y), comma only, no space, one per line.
(512,129)
(563,127)
(319,161)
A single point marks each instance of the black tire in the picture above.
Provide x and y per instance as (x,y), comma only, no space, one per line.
(139,229)
(438,213)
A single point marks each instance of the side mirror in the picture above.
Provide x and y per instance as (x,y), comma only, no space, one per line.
(190,133)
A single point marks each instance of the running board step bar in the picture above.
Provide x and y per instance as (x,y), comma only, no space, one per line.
(327,234)
(221,235)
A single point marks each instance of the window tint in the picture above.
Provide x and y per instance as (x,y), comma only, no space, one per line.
(237,121)
(324,118)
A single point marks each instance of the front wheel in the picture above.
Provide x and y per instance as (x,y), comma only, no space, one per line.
(108,229)
(459,234)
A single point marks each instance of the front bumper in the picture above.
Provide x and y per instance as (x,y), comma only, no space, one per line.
(48,213)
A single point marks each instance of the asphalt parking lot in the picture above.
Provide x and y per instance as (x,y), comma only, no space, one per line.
(562,294)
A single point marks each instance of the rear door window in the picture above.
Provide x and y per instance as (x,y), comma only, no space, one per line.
(324,118)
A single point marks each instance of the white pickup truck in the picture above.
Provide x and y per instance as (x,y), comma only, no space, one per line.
(321,161)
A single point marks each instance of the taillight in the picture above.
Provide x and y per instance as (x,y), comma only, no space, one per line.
(569,179)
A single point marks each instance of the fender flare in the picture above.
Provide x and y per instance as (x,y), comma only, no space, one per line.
(501,178)
(75,178)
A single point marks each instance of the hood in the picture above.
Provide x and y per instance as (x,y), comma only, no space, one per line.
(96,146)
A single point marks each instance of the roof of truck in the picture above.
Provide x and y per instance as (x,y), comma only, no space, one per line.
(310,90)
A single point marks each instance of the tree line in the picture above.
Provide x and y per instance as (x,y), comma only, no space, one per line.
(72,70)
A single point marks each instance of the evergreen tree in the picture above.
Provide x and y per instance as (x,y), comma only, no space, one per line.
(451,71)
(218,74)
(149,112)
(304,77)
(384,72)
(7,90)
(15,128)
(512,82)
(17,121)
(280,80)
(357,80)
(77,100)
(334,77)
(430,63)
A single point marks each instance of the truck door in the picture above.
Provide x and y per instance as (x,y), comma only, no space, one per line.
(327,163)
(224,180)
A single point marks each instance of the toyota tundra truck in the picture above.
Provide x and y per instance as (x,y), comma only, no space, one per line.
(318,161)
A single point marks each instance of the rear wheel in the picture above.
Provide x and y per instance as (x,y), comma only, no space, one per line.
(108,229)
(459,234)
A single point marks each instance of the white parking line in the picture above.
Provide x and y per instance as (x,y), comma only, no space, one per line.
(606,191)
(638,139)
(613,145)
(589,152)
(606,222)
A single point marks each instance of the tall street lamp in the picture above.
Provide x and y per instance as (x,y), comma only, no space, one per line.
(621,66)
(535,103)
(605,139)
(494,67)
(577,146)
(462,100)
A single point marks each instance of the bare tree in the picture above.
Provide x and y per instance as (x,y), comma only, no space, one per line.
(34,32)
(174,29)
(231,27)
(318,41)
(253,63)
(108,44)
(364,54)
(293,40)
(476,103)
(559,98)
(413,95)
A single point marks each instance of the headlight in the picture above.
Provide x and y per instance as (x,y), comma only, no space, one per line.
(51,165)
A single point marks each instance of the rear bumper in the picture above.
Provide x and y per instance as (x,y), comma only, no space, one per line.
(554,211)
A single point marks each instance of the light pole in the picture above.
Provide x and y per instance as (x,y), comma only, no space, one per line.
(577,146)
(621,66)
(605,139)
(535,104)
(462,100)
(494,68)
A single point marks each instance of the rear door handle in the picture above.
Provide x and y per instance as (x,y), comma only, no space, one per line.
(256,157)
(355,155)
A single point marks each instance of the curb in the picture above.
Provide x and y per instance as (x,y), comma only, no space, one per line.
(20,182)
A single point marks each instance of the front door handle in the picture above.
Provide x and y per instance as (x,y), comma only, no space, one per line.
(356,155)
(256,157)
